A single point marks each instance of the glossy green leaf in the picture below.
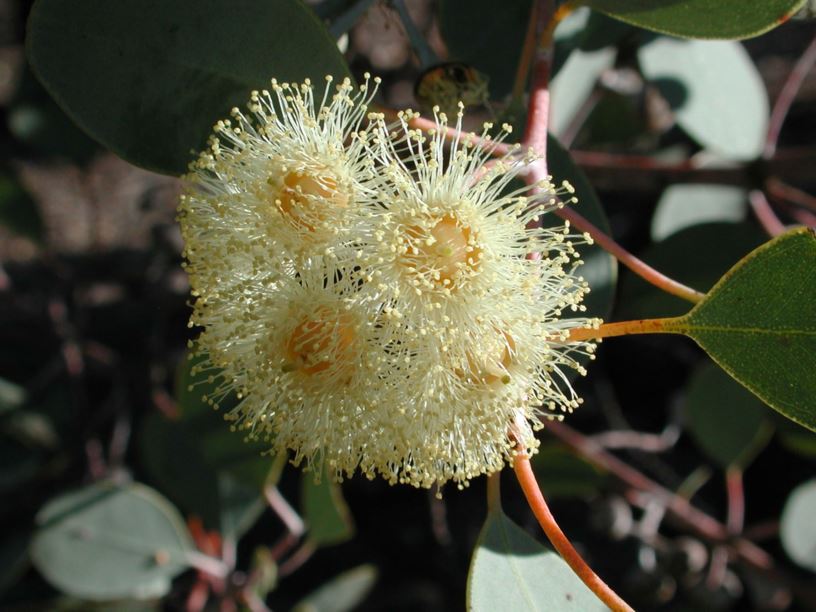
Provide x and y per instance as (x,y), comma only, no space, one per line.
(202,465)
(562,473)
(717,247)
(325,512)
(107,541)
(342,594)
(600,269)
(797,528)
(727,421)
(701,18)
(495,47)
(758,323)
(511,571)
(37,122)
(148,78)
(683,206)
(715,91)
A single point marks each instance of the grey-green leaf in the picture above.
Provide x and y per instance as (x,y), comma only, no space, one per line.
(759,324)
(107,541)
(148,78)
(327,516)
(341,594)
(726,420)
(715,91)
(496,47)
(702,18)
(600,269)
(511,571)
(798,529)
(683,206)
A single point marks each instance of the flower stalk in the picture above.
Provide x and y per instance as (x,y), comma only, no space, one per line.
(526,478)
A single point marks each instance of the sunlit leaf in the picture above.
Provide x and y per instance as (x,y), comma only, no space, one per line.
(758,323)
(342,594)
(715,91)
(511,571)
(683,206)
(797,528)
(107,541)
(702,18)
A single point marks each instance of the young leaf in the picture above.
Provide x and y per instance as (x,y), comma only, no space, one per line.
(511,571)
(108,542)
(148,78)
(702,18)
(715,91)
(758,323)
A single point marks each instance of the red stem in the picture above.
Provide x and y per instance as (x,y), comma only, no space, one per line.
(643,489)
(526,478)
(786,98)
(636,265)
(736,501)
(765,213)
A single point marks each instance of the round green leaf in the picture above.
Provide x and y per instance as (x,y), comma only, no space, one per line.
(325,511)
(696,256)
(600,269)
(108,542)
(759,324)
(511,571)
(727,421)
(562,473)
(148,78)
(715,91)
(496,47)
(18,213)
(701,18)
(798,529)
(175,456)
(342,594)
(683,206)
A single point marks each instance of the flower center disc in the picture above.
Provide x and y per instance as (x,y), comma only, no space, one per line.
(487,370)
(320,343)
(442,253)
(304,199)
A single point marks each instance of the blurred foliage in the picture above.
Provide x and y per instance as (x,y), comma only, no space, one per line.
(97,393)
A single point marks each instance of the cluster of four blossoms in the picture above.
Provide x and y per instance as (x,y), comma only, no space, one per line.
(378,298)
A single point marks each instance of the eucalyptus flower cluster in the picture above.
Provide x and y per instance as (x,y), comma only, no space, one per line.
(376,297)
